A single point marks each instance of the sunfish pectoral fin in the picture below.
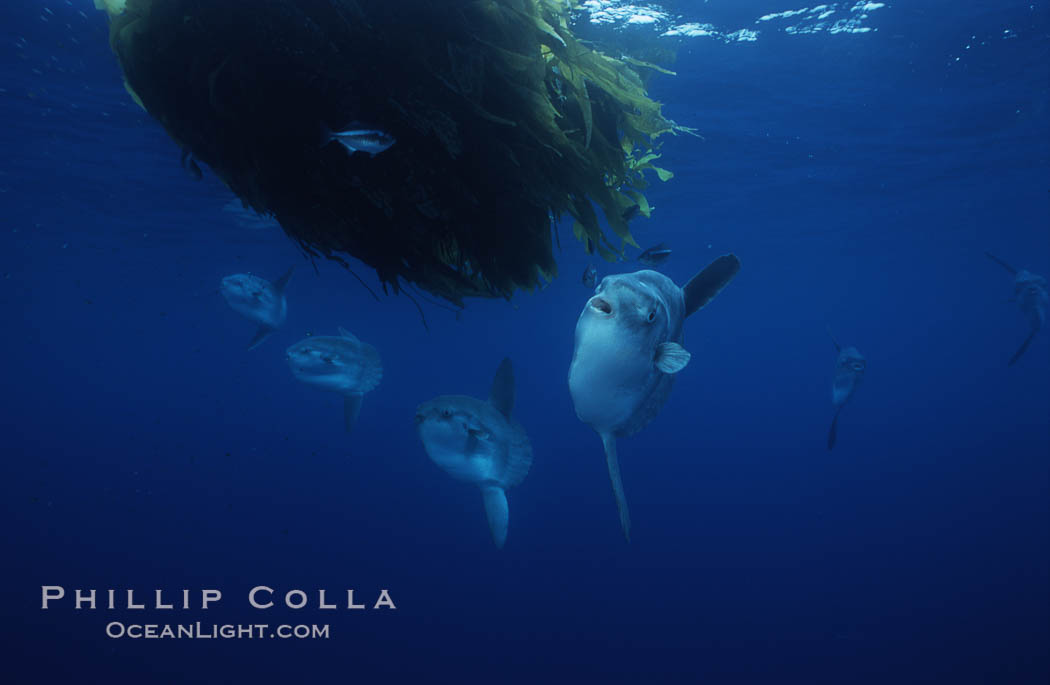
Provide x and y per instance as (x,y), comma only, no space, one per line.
(260,335)
(671,357)
(497,512)
(609,442)
(281,283)
(1024,346)
(833,432)
(351,408)
(703,287)
(1013,271)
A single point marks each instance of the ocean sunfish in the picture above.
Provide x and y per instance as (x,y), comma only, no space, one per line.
(1030,292)
(477,441)
(341,364)
(628,349)
(850,366)
(258,300)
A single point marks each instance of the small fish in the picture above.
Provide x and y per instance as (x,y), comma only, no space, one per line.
(1031,295)
(628,348)
(590,276)
(258,300)
(655,255)
(477,441)
(341,364)
(631,212)
(850,366)
(370,140)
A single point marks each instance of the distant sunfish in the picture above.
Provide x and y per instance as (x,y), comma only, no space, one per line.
(370,140)
(340,364)
(655,255)
(477,441)
(628,348)
(850,366)
(258,300)
(1030,291)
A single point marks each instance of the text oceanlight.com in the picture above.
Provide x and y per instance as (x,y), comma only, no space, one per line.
(206,631)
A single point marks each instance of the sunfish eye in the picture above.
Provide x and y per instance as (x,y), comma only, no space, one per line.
(652,315)
(446,413)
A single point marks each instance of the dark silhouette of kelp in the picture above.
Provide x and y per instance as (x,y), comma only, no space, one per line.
(504,121)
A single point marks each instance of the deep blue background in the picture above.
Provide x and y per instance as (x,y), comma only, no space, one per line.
(859,178)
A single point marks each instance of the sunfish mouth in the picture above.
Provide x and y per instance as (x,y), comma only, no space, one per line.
(601,306)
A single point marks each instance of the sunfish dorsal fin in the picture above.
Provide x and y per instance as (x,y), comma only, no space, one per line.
(834,342)
(1013,271)
(348,335)
(502,393)
(703,287)
(281,283)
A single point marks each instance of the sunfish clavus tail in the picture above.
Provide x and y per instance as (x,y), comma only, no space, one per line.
(628,346)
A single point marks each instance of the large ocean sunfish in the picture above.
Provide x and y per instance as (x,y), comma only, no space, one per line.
(477,441)
(1030,291)
(628,349)
(258,300)
(850,366)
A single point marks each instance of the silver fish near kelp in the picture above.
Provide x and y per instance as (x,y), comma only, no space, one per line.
(1031,295)
(341,364)
(258,300)
(590,276)
(478,441)
(628,348)
(850,366)
(655,255)
(368,140)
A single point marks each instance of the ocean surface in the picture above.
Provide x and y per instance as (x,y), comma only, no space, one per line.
(860,165)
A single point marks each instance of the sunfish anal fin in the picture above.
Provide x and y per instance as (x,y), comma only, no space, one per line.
(1023,347)
(351,408)
(671,357)
(260,335)
(502,394)
(609,442)
(703,287)
(834,431)
(497,512)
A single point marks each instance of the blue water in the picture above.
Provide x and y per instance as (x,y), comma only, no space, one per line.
(860,177)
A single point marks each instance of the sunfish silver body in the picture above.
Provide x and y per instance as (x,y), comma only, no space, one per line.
(628,348)
(478,441)
(258,300)
(340,364)
(1030,292)
(850,366)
